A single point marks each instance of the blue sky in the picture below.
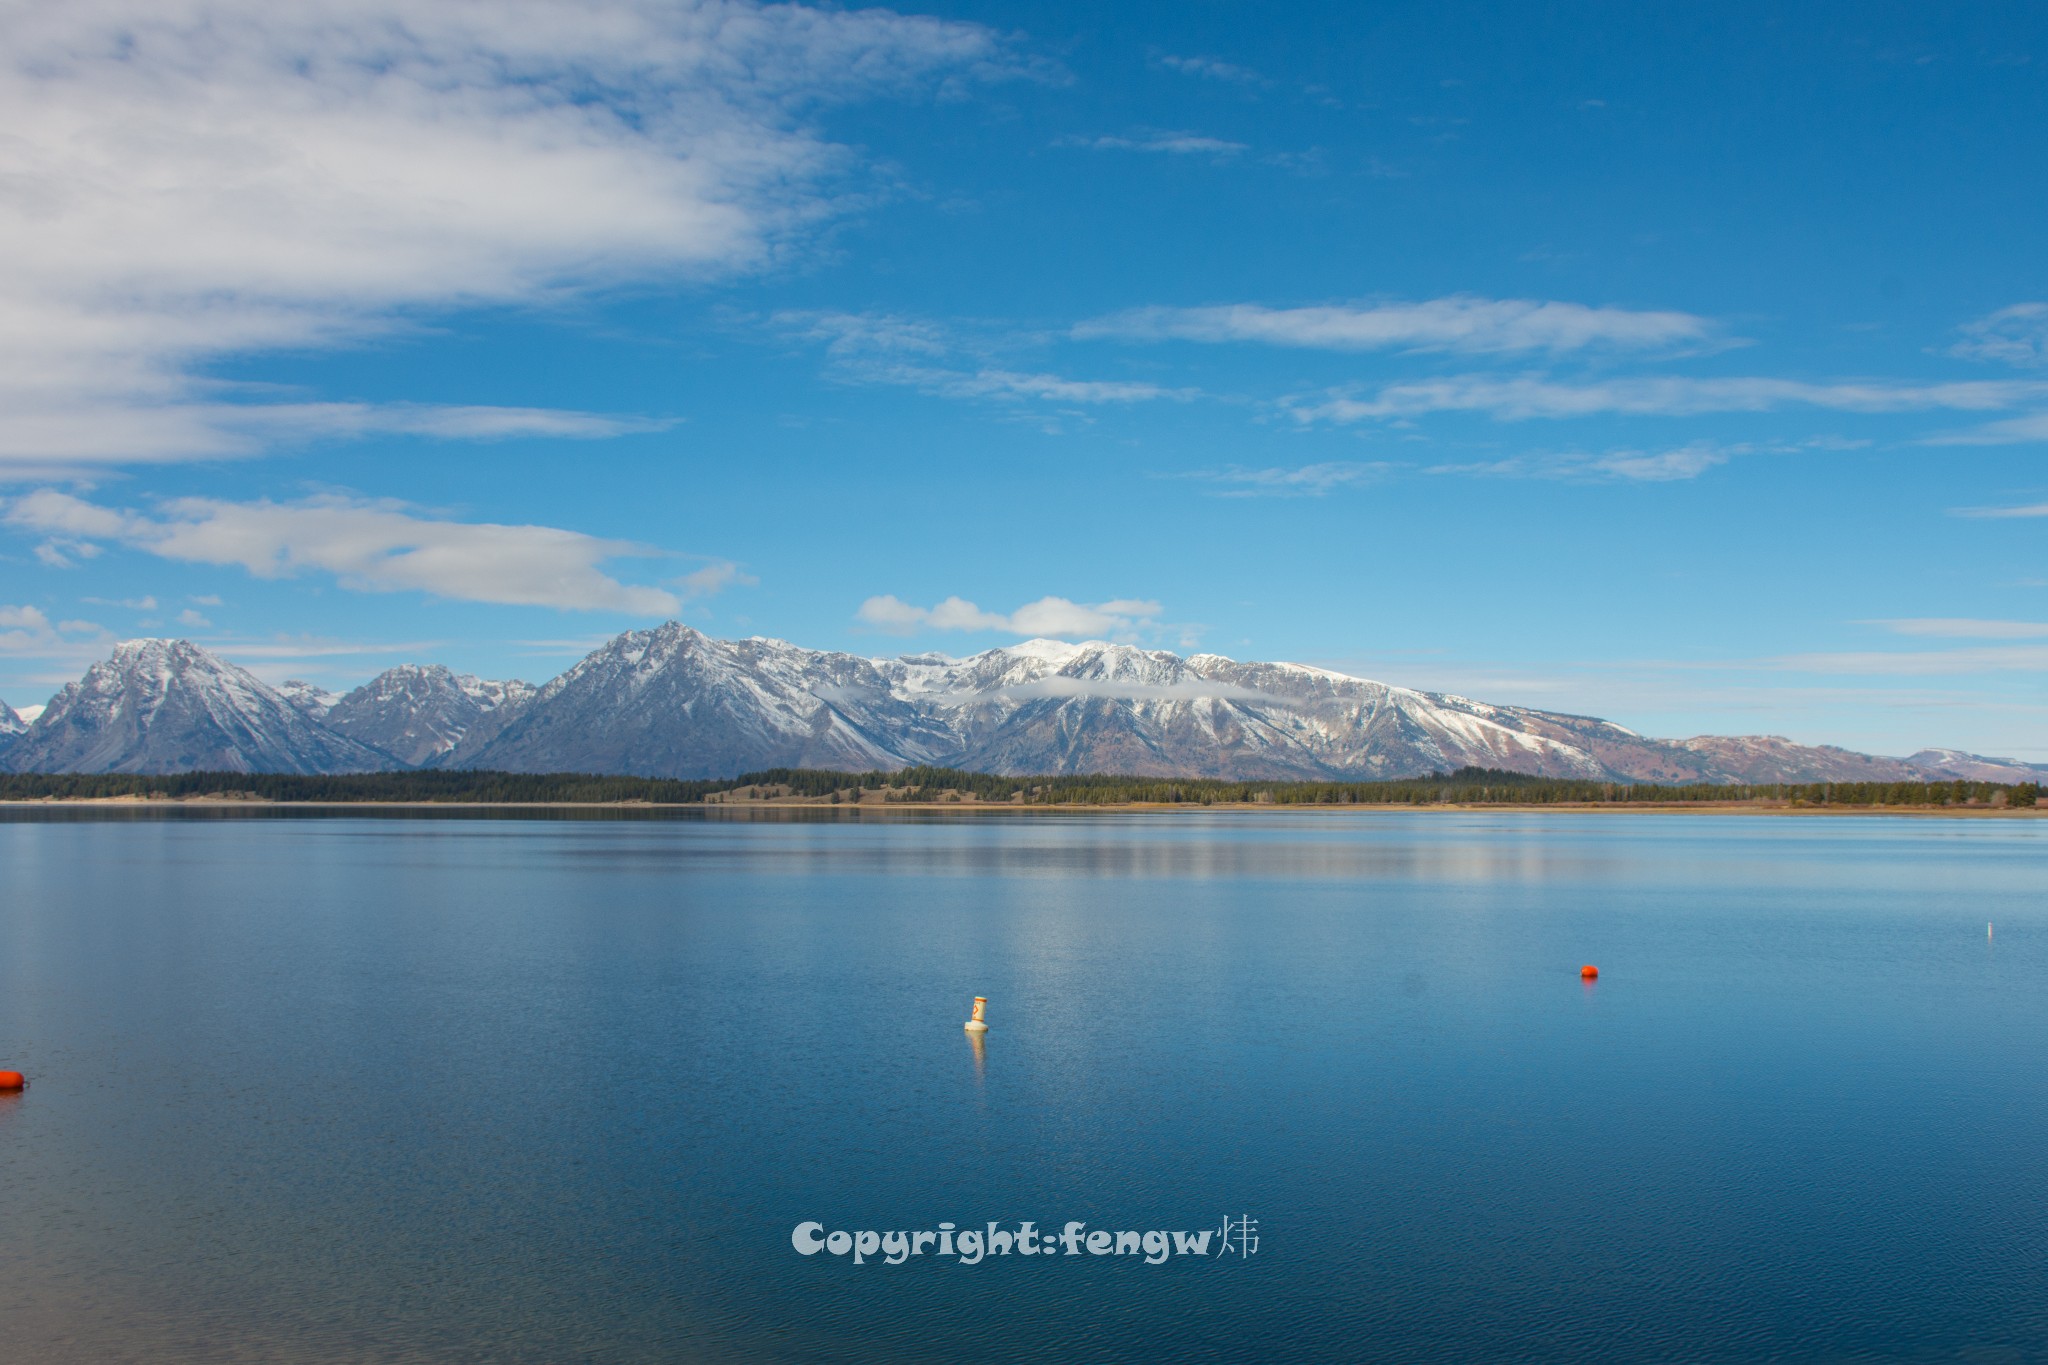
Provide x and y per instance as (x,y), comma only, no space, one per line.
(1689,369)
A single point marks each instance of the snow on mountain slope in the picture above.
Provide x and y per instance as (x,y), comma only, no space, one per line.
(159,706)
(419,713)
(311,701)
(1954,764)
(12,728)
(673,702)
(1773,758)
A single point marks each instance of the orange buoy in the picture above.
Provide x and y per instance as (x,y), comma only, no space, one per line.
(1589,971)
(13,1080)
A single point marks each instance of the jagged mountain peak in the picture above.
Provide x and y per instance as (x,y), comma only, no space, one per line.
(313,700)
(669,700)
(164,705)
(420,713)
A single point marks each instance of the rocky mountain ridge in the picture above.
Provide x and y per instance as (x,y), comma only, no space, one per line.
(673,702)
(171,706)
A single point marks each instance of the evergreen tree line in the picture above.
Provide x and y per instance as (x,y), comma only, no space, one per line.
(1467,786)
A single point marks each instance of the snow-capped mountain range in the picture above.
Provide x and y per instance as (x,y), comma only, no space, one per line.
(673,702)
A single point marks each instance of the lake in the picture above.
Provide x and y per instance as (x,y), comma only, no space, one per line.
(555,1089)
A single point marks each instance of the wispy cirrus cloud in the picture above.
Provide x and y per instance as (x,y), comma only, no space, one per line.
(1688,461)
(369,546)
(220,177)
(1515,398)
(48,442)
(991,383)
(855,335)
(885,348)
(1156,140)
(1964,628)
(1052,617)
(1210,68)
(2011,431)
(1920,663)
(290,647)
(1460,323)
(713,578)
(2011,336)
(1299,481)
(2036,509)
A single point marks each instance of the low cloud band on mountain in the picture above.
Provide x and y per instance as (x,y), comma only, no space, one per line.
(672,702)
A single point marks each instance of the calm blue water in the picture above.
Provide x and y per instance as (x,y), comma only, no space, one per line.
(552,1090)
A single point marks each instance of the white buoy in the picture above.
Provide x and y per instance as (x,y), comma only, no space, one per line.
(1987,931)
(979,1023)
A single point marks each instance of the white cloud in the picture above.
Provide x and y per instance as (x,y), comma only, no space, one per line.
(1922,663)
(2014,336)
(318,647)
(1516,398)
(1460,323)
(2038,509)
(26,630)
(1966,628)
(713,579)
(191,617)
(193,179)
(36,442)
(1304,481)
(1633,466)
(1052,617)
(2012,431)
(1211,69)
(856,334)
(369,546)
(872,348)
(1010,385)
(64,554)
(1170,143)
(1052,387)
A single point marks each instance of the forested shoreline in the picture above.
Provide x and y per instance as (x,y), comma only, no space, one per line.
(918,786)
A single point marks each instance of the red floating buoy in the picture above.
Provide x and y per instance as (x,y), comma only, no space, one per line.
(1589,971)
(13,1080)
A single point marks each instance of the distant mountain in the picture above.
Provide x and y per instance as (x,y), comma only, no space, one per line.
(160,706)
(419,713)
(307,699)
(1954,763)
(672,702)
(12,727)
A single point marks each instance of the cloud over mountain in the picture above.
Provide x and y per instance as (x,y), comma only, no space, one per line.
(1048,616)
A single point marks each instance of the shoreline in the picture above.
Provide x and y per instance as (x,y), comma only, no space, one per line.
(229,803)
